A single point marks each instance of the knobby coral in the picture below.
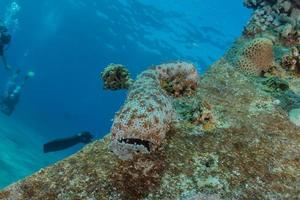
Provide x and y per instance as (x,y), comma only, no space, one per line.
(281,17)
(116,77)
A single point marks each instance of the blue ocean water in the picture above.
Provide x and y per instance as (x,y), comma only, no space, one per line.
(68,43)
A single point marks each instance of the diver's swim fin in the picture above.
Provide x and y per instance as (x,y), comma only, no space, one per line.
(64,143)
(51,147)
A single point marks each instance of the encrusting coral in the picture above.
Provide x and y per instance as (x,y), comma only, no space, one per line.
(116,77)
(254,57)
(142,123)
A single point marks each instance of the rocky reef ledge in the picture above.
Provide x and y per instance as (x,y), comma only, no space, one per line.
(234,133)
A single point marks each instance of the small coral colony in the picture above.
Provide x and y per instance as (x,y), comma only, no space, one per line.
(279,22)
(269,47)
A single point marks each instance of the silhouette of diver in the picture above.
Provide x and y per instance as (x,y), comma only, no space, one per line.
(64,143)
(5,39)
(11,96)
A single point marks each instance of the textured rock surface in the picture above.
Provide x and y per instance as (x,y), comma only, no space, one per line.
(234,140)
(252,153)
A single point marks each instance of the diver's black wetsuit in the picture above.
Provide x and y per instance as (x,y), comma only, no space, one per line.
(8,104)
(64,143)
(1,49)
(11,96)
(5,39)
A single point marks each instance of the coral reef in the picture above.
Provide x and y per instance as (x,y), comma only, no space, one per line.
(281,17)
(253,153)
(279,21)
(116,77)
(142,123)
(242,144)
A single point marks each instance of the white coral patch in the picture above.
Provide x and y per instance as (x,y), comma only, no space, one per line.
(294,116)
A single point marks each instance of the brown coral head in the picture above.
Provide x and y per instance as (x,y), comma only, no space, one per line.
(179,86)
(116,77)
(204,118)
(178,78)
(288,62)
(256,57)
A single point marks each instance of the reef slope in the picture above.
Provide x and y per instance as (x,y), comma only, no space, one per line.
(237,135)
(252,153)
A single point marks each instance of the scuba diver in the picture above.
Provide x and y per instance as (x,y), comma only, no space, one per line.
(11,96)
(5,39)
(64,143)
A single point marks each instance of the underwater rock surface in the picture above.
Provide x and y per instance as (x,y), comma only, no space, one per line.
(252,152)
(233,138)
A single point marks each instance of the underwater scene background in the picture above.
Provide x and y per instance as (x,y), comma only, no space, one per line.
(68,43)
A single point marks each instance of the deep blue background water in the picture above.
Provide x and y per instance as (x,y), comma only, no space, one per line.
(68,42)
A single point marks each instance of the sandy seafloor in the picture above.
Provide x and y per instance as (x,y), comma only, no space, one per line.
(20,151)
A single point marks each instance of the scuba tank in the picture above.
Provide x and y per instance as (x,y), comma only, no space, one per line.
(5,38)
